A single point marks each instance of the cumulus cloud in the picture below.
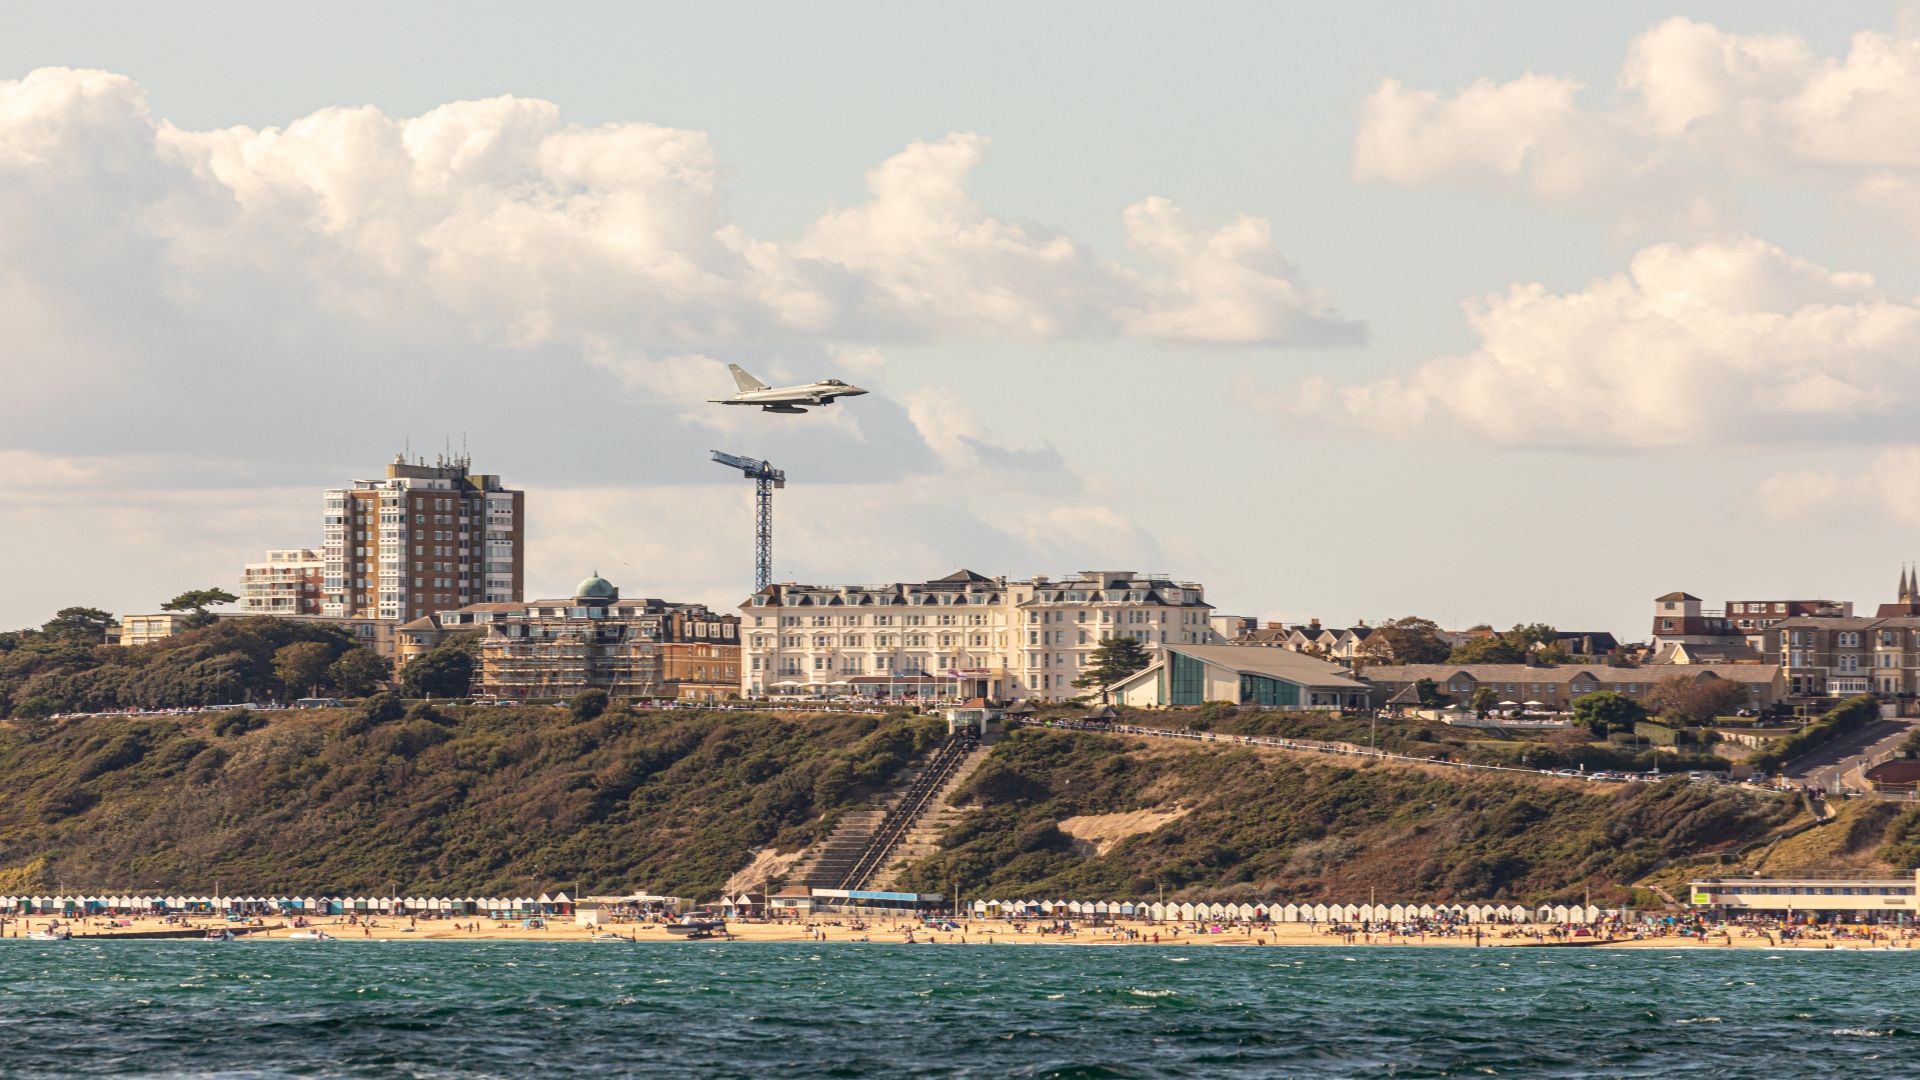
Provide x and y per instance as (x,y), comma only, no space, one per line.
(498,221)
(1727,341)
(1887,484)
(241,316)
(1694,107)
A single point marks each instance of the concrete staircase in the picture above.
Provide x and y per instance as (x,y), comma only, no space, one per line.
(922,835)
(827,862)
(864,844)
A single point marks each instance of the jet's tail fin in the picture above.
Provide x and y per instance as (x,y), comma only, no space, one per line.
(743,380)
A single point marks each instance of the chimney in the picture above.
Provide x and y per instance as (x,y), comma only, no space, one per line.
(1313,624)
(1275,626)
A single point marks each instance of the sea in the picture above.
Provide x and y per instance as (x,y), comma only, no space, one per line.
(736,1009)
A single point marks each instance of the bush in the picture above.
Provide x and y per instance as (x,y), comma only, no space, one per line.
(588,704)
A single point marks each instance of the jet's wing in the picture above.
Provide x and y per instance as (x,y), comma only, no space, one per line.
(743,380)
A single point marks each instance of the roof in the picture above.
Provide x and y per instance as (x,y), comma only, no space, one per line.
(1566,673)
(1674,597)
(964,575)
(595,587)
(1827,622)
(1284,664)
(424,622)
(1406,695)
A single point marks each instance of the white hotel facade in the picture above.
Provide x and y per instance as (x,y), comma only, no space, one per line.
(965,634)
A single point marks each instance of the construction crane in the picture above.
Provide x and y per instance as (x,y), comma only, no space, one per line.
(765,478)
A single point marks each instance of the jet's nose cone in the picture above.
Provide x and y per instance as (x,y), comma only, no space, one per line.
(853,391)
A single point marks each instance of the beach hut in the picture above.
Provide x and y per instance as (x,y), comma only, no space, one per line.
(1187,912)
(1593,914)
(1397,913)
(1426,911)
(1073,908)
(1290,913)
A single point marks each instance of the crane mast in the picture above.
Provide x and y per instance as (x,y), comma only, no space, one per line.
(765,478)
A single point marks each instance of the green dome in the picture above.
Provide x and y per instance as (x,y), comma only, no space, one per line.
(595,587)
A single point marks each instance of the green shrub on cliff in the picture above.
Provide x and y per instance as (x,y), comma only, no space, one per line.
(439,800)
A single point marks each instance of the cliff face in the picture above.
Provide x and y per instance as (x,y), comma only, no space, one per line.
(469,802)
(1235,823)
(486,801)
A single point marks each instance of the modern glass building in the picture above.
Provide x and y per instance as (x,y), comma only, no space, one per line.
(1241,674)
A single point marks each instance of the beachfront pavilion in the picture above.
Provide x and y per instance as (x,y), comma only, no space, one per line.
(1879,898)
(1241,674)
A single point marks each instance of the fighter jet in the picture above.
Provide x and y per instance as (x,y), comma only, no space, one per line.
(785,399)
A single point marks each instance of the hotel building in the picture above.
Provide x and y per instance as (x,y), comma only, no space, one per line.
(963,635)
(425,538)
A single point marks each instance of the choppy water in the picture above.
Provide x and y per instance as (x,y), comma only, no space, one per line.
(679,1009)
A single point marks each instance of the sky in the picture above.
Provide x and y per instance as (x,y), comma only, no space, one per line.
(1486,312)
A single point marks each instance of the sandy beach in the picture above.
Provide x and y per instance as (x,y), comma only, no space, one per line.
(975,932)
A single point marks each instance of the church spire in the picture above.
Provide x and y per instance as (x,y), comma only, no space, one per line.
(1906,586)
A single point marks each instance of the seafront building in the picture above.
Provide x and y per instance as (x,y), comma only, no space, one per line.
(290,581)
(965,635)
(638,649)
(424,538)
(1190,674)
(1852,896)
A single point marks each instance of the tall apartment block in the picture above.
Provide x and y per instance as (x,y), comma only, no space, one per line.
(424,539)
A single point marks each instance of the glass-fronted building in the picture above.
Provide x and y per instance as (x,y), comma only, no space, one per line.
(1241,674)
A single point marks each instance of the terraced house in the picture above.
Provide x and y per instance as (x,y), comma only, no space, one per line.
(1841,657)
(1557,686)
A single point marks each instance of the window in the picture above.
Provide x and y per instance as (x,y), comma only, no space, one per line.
(1188,683)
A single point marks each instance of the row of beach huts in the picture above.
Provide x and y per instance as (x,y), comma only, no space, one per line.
(498,907)
(1293,913)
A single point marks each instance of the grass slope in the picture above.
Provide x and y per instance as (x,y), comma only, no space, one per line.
(476,801)
(1264,823)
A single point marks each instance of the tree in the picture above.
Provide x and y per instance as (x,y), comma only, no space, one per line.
(88,624)
(1483,700)
(382,709)
(447,671)
(1555,653)
(1408,640)
(1114,659)
(1428,690)
(199,600)
(1911,747)
(1488,650)
(1533,634)
(195,603)
(588,704)
(1696,700)
(1605,711)
(359,671)
(302,666)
